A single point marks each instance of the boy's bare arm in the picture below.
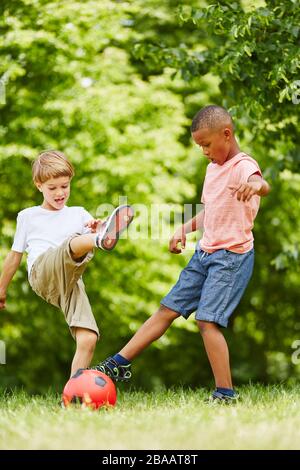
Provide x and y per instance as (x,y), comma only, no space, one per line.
(194,224)
(10,266)
(265,187)
(179,236)
(255,185)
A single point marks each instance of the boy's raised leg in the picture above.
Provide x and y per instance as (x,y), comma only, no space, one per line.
(152,329)
(106,237)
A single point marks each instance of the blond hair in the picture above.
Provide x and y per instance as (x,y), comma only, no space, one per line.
(51,164)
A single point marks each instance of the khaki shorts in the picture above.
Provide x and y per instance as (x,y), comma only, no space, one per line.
(56,277)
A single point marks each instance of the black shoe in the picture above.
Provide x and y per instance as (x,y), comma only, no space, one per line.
(223,398)
(114,370)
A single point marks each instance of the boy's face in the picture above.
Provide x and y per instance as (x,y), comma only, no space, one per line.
(56,192)
(215,143)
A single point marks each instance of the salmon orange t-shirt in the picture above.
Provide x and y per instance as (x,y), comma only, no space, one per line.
(228,222)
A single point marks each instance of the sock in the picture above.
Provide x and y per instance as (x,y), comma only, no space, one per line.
(226,391)
(121,360)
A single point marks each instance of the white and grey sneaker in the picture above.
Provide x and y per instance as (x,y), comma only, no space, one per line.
(113,226)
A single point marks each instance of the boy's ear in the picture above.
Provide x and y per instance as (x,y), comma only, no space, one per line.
(227,132)
(39,186)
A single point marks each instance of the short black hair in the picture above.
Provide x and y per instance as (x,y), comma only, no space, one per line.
(211,116)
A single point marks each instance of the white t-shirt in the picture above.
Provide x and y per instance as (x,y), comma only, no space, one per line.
(39,229)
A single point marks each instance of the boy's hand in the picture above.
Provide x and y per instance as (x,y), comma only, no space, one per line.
(2,300)
(94,225)
(245,191)
(179,236)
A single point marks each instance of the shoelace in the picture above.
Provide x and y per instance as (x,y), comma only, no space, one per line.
(111,365)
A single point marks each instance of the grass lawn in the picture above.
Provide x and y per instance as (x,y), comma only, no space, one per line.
(265,418)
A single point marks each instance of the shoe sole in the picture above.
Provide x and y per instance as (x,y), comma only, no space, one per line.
(119,221)
(114,379)
(117,379)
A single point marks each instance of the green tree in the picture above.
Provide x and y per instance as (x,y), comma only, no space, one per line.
(254,54)
(70,87)
(115,85)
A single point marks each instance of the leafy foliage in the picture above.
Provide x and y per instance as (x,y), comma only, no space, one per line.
(114,85)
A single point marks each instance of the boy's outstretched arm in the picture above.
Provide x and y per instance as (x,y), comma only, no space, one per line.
(255,185)
(10,266)
(180,234)
(265,187)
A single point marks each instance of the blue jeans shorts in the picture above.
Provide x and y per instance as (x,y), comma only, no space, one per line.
(212,285)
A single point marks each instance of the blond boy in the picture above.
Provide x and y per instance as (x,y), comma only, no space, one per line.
(60,241)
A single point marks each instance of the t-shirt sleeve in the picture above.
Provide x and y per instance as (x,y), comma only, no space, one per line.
(246,168)
(20,243)
(86,217)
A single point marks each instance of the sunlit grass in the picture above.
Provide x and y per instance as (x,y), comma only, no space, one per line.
(265,418)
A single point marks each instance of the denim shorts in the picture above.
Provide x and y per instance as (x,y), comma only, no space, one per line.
(211,285)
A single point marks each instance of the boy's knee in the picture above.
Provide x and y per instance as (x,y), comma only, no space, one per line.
(205,326)
(73,255)
(86,339)
(167,313)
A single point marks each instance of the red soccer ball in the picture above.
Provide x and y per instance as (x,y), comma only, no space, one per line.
(91,388)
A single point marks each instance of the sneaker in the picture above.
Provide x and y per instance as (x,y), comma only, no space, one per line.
(113,226)
(115,371)
(223,398)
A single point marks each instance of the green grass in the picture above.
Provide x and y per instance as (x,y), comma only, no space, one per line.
(265,418)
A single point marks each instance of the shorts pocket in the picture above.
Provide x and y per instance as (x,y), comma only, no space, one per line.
(235,260)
